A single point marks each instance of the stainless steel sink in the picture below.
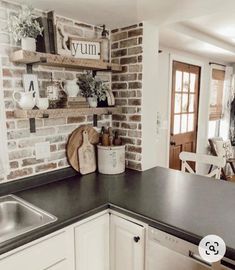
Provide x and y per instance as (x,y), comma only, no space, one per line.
(18,217)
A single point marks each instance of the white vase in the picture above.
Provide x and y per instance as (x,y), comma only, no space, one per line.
(92,102)
(28,44)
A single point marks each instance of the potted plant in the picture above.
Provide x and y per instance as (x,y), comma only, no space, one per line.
(93,89)
(24,27)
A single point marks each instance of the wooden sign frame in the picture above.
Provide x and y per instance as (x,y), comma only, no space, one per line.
(98,41)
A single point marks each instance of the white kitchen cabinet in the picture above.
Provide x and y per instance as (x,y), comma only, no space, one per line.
(92,244)
(59,266)
(50,252)
(127,244)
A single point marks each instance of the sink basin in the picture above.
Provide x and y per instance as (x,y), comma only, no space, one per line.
(18,217)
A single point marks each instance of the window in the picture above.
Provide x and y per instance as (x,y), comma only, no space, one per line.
(216,99)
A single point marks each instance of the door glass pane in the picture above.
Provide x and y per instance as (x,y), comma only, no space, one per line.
(192,82)
(178,81)
(190,122)
(176,124)
(191,103)
(183,123)
(177,103)
(186,82)
(185,103)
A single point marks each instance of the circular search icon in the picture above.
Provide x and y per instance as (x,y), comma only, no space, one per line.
(212,248)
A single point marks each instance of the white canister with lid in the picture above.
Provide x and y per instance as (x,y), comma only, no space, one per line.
(111,159)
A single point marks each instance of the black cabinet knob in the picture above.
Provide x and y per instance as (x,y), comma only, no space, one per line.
(136,239)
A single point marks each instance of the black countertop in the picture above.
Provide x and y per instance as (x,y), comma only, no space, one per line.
(187,206)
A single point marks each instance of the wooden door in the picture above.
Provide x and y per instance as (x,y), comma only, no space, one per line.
(92,244)
(127,243)
(184,111)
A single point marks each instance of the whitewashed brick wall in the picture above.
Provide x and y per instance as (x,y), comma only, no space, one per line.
(21,143)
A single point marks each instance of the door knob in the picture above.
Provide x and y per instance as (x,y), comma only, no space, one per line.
(136,239)
(172,143)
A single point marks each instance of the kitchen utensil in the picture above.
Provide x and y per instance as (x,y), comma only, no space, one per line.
(110,136)
(86,154)
(105,139)
(117,140)
(75,141)
(25,100)
(70,87)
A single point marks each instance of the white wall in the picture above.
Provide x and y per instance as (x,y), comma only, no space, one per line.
(149,99)
(163,95)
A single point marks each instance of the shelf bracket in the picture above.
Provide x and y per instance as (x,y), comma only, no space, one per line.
(95,120)
(32,125)
(29,68)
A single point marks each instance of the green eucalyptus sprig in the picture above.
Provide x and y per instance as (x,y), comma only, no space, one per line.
(24,25)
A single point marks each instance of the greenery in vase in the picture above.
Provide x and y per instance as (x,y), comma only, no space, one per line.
(92,87)
(23,24)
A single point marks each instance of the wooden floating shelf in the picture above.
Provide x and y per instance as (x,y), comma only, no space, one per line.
(28,57)
(59,113)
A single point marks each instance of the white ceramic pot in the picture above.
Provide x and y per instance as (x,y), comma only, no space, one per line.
(92,102)
(28,44)
(71,88)
(26,101)
(111,159)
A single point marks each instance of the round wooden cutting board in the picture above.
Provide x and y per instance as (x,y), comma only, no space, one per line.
(75,141)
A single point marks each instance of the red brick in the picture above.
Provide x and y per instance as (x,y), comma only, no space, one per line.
(129,27)
(133,165)
(135,118)
(119,36)
(20,173)
(128,60)
(135,85)
(128,43)
(119,85)
(45,167)
(136,102)
(77,119)
(129,125)
(135,32)
(119,53)
(119,117)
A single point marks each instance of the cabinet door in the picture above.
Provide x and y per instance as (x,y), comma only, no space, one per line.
(59,266)
(127,245)
(92,244)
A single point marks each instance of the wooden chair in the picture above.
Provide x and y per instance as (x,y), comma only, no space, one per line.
(213,151)
(217,162)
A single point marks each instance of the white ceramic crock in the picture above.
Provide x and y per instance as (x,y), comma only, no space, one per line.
(111,159)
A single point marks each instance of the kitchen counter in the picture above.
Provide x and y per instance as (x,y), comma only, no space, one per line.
(187,206)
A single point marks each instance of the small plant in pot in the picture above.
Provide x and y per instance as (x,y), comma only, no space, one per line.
(24,27)
(93,89)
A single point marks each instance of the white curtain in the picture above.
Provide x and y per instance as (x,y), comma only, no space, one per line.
(4,159)
(227,99)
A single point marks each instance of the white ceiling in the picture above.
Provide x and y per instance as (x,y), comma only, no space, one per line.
(116,13)
(204,27)
(212,35)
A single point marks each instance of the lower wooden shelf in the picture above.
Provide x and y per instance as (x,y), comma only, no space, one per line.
(58,113)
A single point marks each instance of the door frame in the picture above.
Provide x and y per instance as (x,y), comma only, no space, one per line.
(190,61)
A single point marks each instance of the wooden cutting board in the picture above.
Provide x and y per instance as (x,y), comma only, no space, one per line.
(86,155)
(75,141)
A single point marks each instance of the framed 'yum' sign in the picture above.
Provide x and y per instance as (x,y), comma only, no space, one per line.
(86,49)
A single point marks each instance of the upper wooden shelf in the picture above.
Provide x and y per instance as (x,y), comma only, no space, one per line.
(58,113)
(28,57)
